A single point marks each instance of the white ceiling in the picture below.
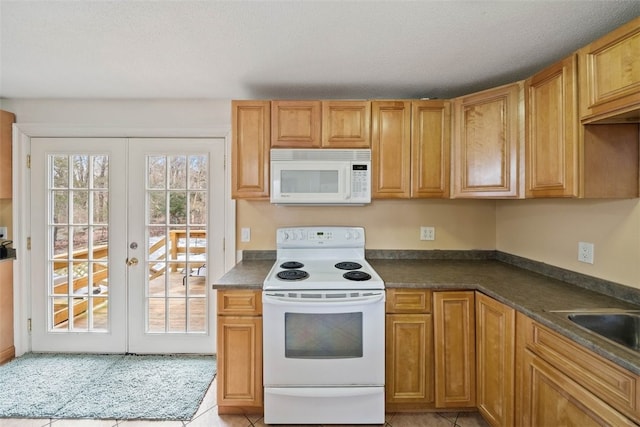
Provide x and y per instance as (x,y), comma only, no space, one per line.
(287,49)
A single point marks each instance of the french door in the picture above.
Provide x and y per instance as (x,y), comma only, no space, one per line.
(125,233)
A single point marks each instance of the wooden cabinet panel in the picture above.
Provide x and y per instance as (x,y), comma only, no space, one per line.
(296,124)
(239,302)
(7,349)
(610,160)
(409,359)
(550,398)
(454,338)
(239,347)
(495,360)
(430,149)
(391,149)
(346,124)
(251,135)
(408,301)
(486,144)
(616,386)
(610,75)
(6,121)
(551,98)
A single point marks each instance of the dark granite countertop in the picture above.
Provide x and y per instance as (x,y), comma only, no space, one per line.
(532,288)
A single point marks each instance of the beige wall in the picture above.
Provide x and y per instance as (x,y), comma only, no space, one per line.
(549,231)
(6,216)
(389,224)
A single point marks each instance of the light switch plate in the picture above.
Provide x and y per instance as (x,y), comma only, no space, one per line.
(245,234)
(3,232)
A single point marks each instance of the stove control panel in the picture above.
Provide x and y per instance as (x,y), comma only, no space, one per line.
(320,236)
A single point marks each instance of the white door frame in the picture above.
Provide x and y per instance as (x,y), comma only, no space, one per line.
(22,134)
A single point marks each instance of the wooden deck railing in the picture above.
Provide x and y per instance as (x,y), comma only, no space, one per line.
(100,270)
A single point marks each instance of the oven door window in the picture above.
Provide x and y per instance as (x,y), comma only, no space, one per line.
(323,336)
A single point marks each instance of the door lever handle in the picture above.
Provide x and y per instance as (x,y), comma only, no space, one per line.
(132,261)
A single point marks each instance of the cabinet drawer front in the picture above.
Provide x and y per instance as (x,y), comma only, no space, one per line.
(615,385)
(240,302)
(408,301)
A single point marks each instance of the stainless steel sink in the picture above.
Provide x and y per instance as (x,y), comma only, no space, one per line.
(620,326)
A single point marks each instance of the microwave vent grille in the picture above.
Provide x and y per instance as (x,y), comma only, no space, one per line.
(360,155)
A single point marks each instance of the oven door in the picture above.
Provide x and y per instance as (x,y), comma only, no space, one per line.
(323,338)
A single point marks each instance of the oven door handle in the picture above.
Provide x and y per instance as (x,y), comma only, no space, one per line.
(322,302)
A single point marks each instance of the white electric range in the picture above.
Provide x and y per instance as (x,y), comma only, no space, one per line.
(324,330)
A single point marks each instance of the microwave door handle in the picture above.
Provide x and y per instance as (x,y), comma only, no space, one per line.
(347,185)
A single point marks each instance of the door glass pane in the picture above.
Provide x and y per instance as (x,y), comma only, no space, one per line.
(78,231)
(176,230)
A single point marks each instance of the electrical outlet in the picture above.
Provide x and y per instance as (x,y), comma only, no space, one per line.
(427,233)
(3,232)
(585,252)
(245,234)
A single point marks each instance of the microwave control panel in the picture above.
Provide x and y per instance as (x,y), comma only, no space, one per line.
(361,181)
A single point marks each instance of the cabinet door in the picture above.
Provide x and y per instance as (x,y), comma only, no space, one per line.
(495,360)
(454,335)
(7,349)
(552,131)
(346,124)
(239,363)
(430,146)
(409,358)
(295,124)
(251,134)
(550,398)
(610,74)
(486,144)
(6,121)
(391,149)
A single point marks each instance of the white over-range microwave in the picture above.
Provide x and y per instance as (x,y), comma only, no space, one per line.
(320,176)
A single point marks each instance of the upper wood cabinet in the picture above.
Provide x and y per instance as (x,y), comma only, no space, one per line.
(251,140)
(346,124)
(296,124)
(6,121)
(391,149)
(551,131)
(410,143)
(455,357)
(430,148)
(486,145)
(610,76)
(495,360)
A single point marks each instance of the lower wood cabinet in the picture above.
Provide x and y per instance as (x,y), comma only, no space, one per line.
(455,358)
(239,349)
(409,350)
(7,349)
(562,383)
(495,360)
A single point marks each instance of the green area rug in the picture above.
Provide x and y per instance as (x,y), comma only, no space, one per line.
(104,386)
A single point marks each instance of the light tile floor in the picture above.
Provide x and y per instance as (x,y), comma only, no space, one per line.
(207,416)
